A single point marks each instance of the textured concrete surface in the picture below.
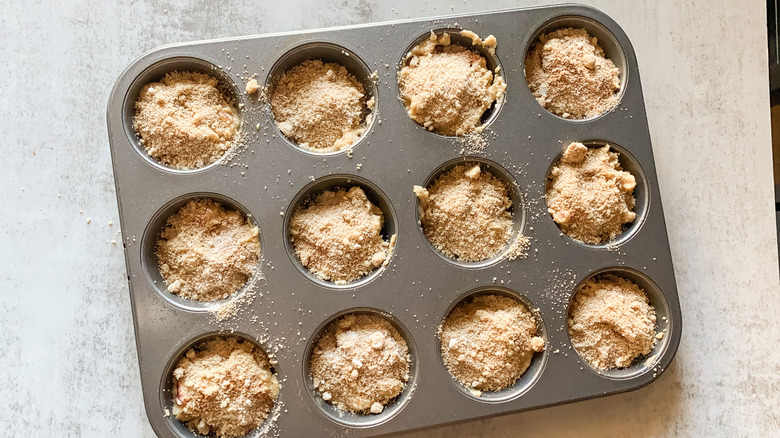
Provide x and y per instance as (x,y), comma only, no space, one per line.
(67,355)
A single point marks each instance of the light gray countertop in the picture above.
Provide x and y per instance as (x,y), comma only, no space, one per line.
(67,353)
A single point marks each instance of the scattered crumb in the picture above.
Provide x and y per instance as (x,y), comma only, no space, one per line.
(519,247)
(471,144)
(252,86)
(231,308)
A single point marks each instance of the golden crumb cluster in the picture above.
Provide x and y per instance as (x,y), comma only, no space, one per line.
(487,342)
(569,75)
(446,88)
(466,214)
(338,235)
(320,106)
(206,252)
(611,322)
(225,386)
(185,121)
(360,364)
(589,195)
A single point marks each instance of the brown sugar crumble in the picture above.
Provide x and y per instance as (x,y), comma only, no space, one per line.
(206,252)
(360,364)
(252,86)
(185,121)
(338,235)
(611,322)
(568,74)
(487,342)
(224,386)
(320,106)
(446,88)
(589,195)
(466,214)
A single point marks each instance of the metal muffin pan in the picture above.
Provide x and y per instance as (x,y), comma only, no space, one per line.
(419,286)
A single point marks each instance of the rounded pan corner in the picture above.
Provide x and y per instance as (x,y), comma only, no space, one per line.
(137,65)
(156,421)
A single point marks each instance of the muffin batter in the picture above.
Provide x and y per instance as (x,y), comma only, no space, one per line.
(224,386)
(465,213)
(611,322)
(487,342)
(320,106)
(360,364)
(589,195)
(185,121)
(205,252)
(338,236)
(446,88)
(568,74)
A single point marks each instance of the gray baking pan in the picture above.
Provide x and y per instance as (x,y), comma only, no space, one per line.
(271,176)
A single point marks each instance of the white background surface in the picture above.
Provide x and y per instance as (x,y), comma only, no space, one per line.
(68,364)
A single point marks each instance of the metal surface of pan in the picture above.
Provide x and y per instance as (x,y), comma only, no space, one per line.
(419,285)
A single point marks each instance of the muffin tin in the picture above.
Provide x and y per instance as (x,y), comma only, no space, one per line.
(419,286)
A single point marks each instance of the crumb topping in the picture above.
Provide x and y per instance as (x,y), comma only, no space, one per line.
(446,88)
(206,252)
(185,121)
(611,322)
(338,235)
(589,195)
(465,213)
(224,386)
(569,75)
(360,364)
(321,106)
(487,342)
